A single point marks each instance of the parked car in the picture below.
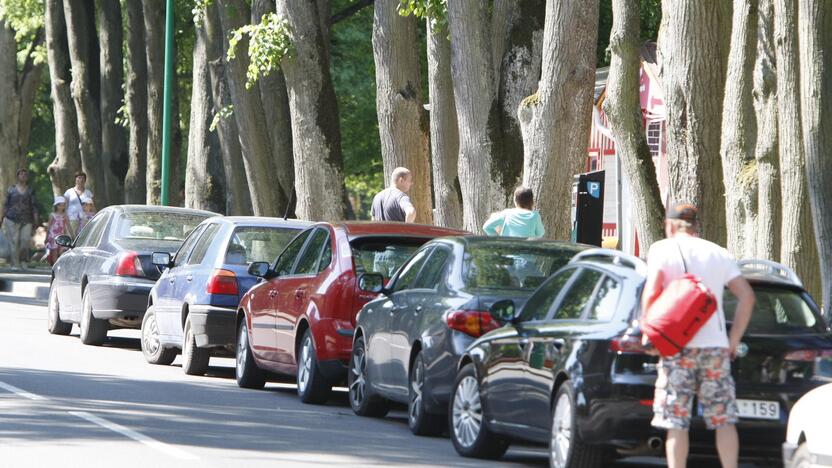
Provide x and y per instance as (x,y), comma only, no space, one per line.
(809,431)
(574,354)
(103,280)
(408,341)
(193,305)
(300,320)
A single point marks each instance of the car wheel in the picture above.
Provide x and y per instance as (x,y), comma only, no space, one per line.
(93,330)
(55,325)
(152,347)
(312,385)
(469,433)
(420,421)
(802,458)
(362,400)
(194,358)
(565,446)
(247,373)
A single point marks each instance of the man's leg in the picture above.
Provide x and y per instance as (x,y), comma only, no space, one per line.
(25,243)
(728,445)
(12,231)
(676,448)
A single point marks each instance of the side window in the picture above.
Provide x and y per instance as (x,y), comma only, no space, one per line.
(576,297)
(202,245)
(287,258)
(410,270)
(93,231)
(434,268)
(326,256)
(606,299)
(538,306)
(187,246)
(83,238)
(308,262)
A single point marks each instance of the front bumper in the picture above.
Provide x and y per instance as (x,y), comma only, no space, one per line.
(788,449)
(120,298)
(213,326)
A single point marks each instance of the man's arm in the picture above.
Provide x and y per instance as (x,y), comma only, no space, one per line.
(745,306)
(410,214)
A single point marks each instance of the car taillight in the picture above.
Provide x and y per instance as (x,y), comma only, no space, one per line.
(222,282)
(129,265)
(627,344)
(472,322)
(808,355)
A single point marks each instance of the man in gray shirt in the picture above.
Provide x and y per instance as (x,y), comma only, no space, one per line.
(392,203)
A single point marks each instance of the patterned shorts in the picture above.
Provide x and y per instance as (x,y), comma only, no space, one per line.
(704,373)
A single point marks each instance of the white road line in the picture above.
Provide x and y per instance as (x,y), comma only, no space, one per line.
(21,392)
(138,437)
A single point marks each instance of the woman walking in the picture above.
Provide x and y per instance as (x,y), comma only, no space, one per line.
(520,221)
(20,212)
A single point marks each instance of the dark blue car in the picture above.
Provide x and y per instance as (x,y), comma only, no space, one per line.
(193,305)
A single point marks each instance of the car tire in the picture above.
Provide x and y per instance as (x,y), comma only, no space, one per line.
(466,418)
(194,359)
(313,387)
(93,330)
(565,446)
(246,371)
(362,399)
(421,422)
(152,349)
(55,325)
(802,458)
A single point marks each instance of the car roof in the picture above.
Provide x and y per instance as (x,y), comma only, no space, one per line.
(470,241)
(356,229)
(262,221)
(158,208)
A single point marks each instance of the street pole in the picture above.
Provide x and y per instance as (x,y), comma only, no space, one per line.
(167,105)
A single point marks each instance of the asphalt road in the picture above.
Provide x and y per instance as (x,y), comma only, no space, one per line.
(66,404)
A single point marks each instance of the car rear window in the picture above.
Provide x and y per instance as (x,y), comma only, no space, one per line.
(156,225)
(384,255)
(776,311)
(258,244)
(525,267)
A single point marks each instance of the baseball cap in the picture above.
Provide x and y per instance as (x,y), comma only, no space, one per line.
(683,210)
(58,200)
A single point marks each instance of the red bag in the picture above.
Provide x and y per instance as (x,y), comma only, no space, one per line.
(677,314)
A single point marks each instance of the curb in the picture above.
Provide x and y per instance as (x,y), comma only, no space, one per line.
(26,285)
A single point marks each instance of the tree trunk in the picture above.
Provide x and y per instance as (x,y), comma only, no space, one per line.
(739,134)
(204,175)
(114,157)
(623,107)
(444,133)
(154,30)
(402,122)
(797,249)
(316,132)
(29,82)
(765,105)
(692,56)
(815,39)
(176,179)
(11,154)
(135,185)
(556,120)
(80,32)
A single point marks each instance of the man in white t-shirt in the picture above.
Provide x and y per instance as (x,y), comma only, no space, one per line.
(703,368)
(74,207)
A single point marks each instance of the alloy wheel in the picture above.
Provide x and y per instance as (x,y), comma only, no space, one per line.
(305,367)
(417,382)
(467,412)
(242,347)
(561,432)
(150,335)
(357,387)
(53,307)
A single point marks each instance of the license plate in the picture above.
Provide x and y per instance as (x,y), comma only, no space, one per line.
(758,409)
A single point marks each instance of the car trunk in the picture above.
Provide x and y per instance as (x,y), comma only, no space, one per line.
(488,297)
(144,249)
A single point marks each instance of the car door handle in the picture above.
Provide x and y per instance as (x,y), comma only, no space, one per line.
(558,343)
(171,280)
(189,278)
(272,293)
(418,308)
(299,293)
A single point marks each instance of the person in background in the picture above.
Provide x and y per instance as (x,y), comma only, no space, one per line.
(520,221)
(20,212)
(88,205)
(393,203)
(74,207)
(58,226)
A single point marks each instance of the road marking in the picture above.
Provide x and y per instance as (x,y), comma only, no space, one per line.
(138,437)
(21,392)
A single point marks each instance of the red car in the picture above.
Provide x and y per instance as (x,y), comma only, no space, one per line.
(300,319)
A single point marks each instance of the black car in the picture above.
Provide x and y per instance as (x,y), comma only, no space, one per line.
(570,370)
(103,281)
(408,341)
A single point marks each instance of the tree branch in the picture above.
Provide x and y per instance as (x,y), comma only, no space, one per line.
(351,10)
(29,63)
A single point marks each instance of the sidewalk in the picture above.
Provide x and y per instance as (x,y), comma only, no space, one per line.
(32,283)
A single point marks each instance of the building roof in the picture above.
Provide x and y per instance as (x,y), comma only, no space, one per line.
(649,61)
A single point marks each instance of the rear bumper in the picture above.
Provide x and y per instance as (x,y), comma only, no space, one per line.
(213,326)
(120,298)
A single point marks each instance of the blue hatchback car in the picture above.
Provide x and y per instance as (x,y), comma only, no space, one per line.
(192,307)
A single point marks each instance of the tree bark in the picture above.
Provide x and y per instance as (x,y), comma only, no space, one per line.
(739,134)
(692,55)
(556,120)
(316,132)
(114,157)
(623,107)
(765,105)
(815,39)
(402,122)
(154,30)
(11,154)
(444,133)
(797,249)
(135,184)
(80,35)
(67,156)
(204,175)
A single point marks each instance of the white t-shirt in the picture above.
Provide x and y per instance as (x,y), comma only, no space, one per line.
(74,210)
(706,260)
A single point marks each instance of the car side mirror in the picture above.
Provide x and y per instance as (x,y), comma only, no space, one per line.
(64,241)
(259,269)
(371,282)
(504,311)
(161,259)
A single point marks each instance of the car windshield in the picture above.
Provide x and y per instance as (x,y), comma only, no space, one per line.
(383,255)
(163,225)
(258,244)
(776,311)
(490,266)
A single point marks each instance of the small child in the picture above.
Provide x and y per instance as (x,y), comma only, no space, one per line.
(89,211)
(58,225)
